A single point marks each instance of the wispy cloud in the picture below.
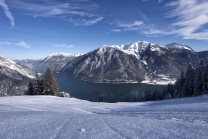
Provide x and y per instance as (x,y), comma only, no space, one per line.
(130,26)
(53,8)
(77,9)
(7,12)
(116,30)
(85,22)
(189,18)
(139,26)
(23,44)
(63,46)
(5,43)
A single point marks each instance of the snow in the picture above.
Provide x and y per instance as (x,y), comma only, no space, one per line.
(178,46)
(63,55)
(44,117)
(12,65)
(136,48)
(58,54)
(77,55)
(160,80)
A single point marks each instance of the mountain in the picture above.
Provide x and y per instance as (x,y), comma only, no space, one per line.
(203,55)
(161,62)
(55,61)
(158,63)
(179,47)
(106,64)
(167,62)
(31,63)
(14,77)
(133,62)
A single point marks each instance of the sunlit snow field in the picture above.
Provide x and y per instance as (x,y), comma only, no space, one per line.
(47,117)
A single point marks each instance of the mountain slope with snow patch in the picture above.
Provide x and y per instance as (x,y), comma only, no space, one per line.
(14,77)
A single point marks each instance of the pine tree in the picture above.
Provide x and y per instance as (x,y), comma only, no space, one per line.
(164,92)
(36,83)
(31,89)
(177,88)
(198,82)
(41,87)
(205,80)
(51,85)
(170,91)
(188,86)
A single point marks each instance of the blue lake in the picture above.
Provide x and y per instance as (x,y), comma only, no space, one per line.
(109,92)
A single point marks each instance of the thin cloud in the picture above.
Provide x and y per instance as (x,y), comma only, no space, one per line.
(130,26)
(7,12)
(23,44)
(78,10)
(116,30)
(55,9)
(189,17)
(63,46)
(88,22)
(139,26)
(5,43)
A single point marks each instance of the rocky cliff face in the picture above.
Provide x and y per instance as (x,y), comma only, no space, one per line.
(13,77)
(106,64)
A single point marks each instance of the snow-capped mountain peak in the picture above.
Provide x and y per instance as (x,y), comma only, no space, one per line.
(136,48)
(178,46)
(59,54)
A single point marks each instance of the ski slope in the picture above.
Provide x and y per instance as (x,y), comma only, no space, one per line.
(47,117)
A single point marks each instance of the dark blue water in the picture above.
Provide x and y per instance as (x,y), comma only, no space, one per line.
(109,92)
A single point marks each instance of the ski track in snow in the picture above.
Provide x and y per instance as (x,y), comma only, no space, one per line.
(42,117)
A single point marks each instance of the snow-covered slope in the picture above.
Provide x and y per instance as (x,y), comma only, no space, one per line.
(179,46)
(138,48)
(12,65)
(13,77)
(45,117)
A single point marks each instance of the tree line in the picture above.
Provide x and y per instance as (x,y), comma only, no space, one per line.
(194,82)
(43,86)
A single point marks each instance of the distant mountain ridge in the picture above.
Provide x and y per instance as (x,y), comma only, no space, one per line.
(55,61)
(157,63)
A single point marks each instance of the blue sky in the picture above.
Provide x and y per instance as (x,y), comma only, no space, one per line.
(37,28)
